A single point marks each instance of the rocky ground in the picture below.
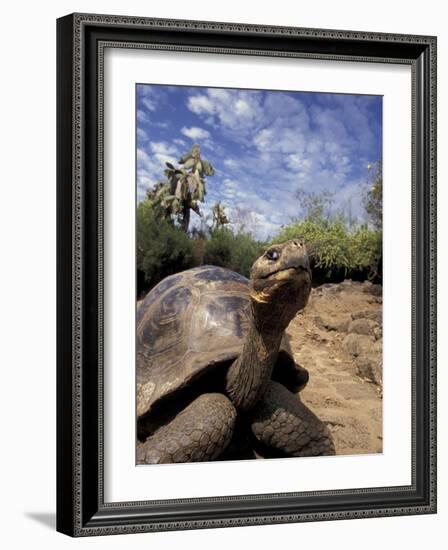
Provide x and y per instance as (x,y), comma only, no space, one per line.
(338,338)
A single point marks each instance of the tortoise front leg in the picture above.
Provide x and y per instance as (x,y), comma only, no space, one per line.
(290,374)
(282,422)
(199,433)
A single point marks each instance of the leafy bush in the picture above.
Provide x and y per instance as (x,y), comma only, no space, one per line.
(326,242)
(236,252)
(199,245)
(244,253)
(162,248)
(218,250)
(335,251)
(365,251)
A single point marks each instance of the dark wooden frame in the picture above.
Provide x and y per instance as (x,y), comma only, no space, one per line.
(81,38)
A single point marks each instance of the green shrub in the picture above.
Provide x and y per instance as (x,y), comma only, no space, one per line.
(218,250)
(199,245)
(336,251)
(162,248)
(244,253)
(365,250)
(326,242)
(236,252)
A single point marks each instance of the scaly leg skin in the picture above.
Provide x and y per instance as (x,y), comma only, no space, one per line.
(282,422)
(201,432)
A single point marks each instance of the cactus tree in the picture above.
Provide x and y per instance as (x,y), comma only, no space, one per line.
(184,188)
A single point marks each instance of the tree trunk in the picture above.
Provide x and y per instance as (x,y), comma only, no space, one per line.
(185,216)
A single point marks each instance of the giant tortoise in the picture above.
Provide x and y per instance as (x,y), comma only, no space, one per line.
(212,354)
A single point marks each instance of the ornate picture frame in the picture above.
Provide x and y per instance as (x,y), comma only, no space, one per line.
(81,506)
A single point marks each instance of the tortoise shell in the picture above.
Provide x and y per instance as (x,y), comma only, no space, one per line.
(186,324)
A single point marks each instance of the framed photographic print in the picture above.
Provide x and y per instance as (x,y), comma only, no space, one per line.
(246,274)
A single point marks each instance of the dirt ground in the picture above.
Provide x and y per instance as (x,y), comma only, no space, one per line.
(338,338)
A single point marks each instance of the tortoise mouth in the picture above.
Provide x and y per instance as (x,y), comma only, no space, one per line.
(290,272)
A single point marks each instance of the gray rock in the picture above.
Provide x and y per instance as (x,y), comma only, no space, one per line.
(328,288)
(377,290)
(370,368)
(370,288)
(378,332)
(348,284)
(327,322)
(359,344)
(362,326)
(373,315)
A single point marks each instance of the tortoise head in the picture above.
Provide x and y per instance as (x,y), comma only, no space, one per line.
(280,283)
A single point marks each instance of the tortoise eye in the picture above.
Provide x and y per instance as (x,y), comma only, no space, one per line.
(272,255)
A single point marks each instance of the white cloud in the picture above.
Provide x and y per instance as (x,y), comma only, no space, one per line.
(298,162)
(161,124)
(149,99)
(280,139)
(163,148)
(234,110)
(149,104)
(200,104)
(250,202)
(195,133)
(263,139)
(230,163)
(180,142)
(142,116)
(151,164)
(142,135)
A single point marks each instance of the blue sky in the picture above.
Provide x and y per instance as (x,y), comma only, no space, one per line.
(264,146)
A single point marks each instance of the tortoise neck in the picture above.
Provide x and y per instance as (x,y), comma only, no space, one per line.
(248,376)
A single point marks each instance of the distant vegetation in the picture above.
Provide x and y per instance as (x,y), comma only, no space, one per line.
(338,247)
(337,251)
(162,248)
(235,251)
